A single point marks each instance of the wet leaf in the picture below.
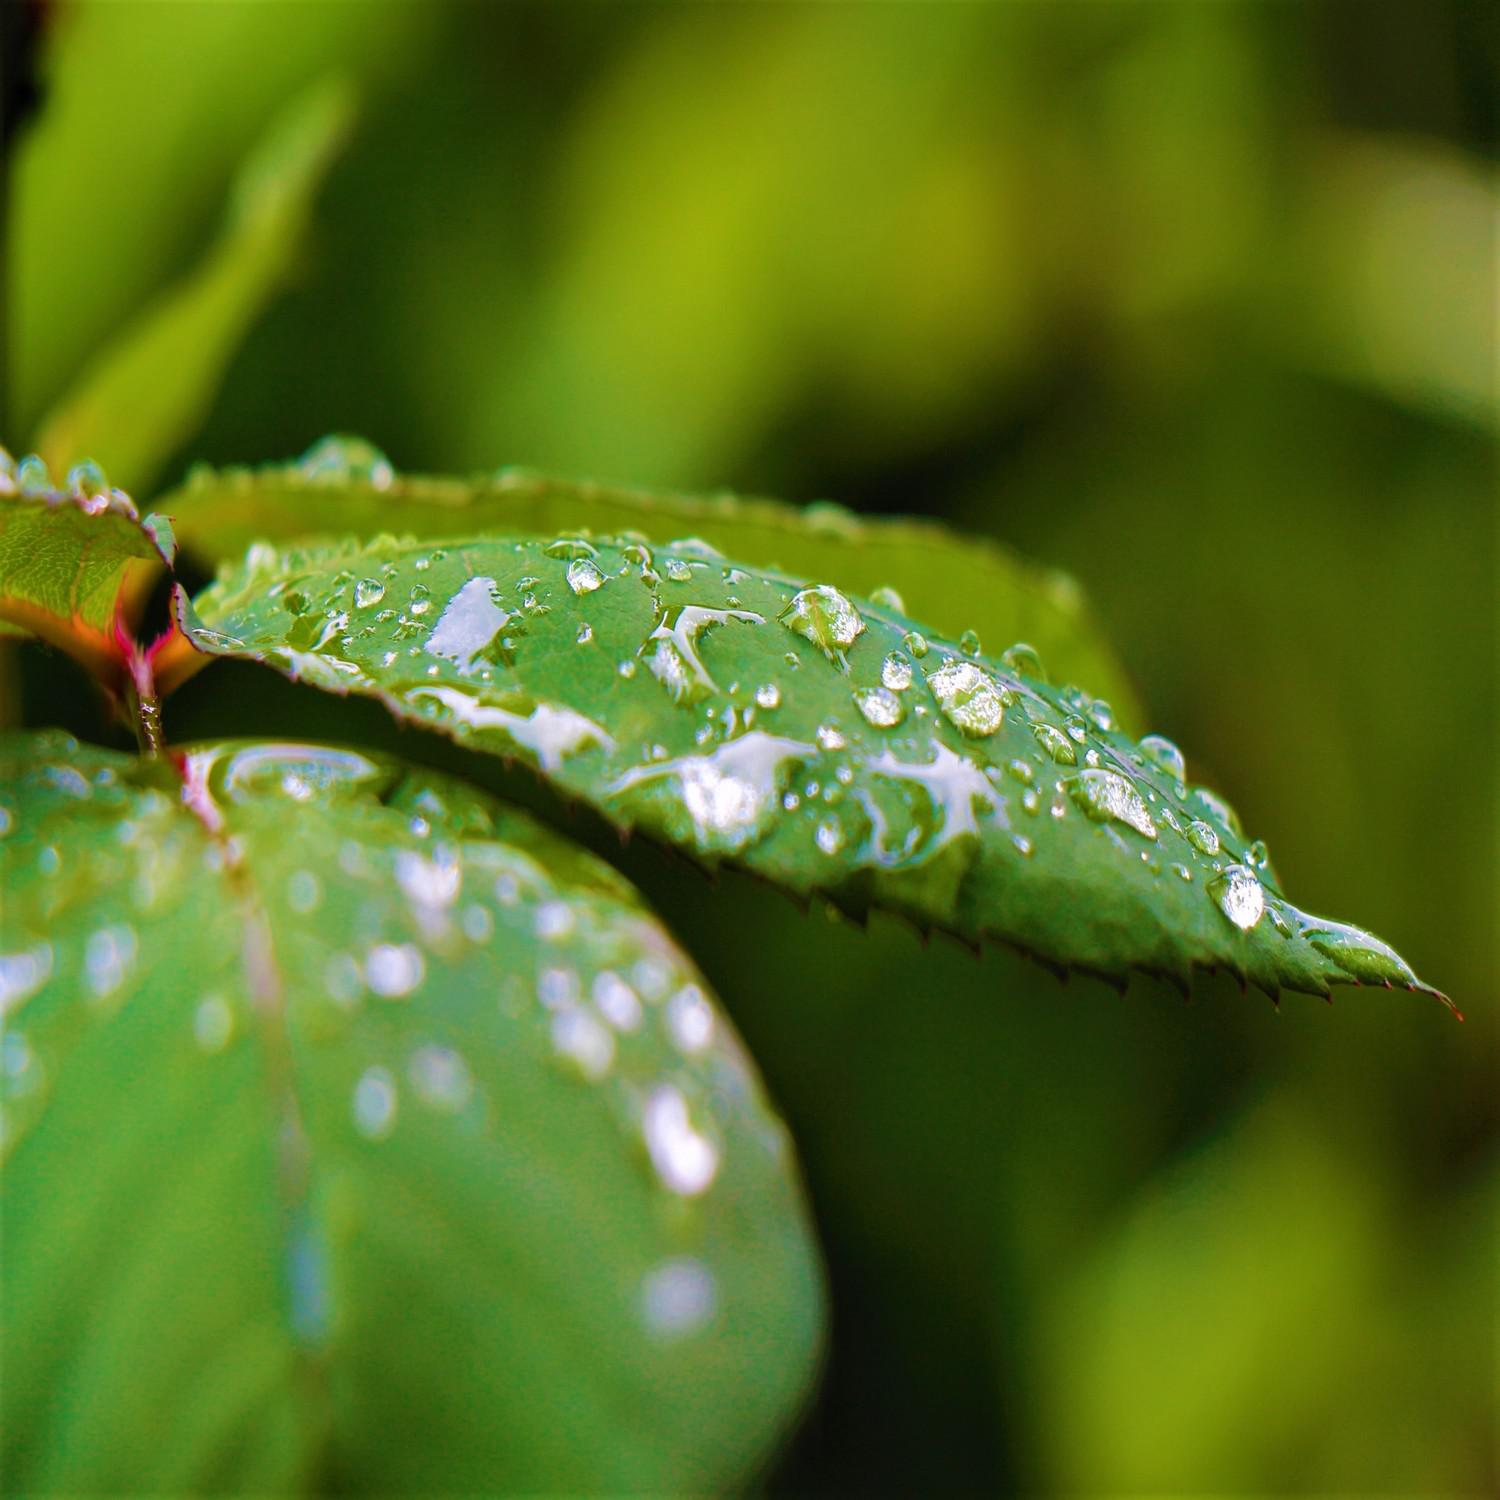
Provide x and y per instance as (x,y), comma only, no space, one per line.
(64,555)
(148,392)
(345,486)
(819,739)
(380,1136)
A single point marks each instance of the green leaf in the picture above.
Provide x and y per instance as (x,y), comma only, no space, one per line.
(64,556)
(346,486)
(142,397)
(378,1136)
(825,742)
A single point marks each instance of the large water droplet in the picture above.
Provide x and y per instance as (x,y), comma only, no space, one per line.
(1165,756)
(969,697)
(341,459)
(825,617)
(729,795)
(1240,896)
(584,575)
(1056,744)
(1202,837)
(440,1078)
(374,1105)
(881,708)
(368,592)
(1024,661)
(672,653)
(895,672)
(1106,796)
(685,1159)
(678,1298)
(1361,955)
(393,970)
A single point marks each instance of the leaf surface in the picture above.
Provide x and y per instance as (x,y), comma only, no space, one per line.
(380,1137)
(823,741)
(64,556)
(346,486)
(148,392)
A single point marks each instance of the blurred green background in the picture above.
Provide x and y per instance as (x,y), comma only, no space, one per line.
(1194,300)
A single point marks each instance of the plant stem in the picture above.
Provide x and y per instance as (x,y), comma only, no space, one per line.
(145,706)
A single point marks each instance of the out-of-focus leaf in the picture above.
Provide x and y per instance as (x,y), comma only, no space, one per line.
(1393,275)
(1266,1260)
(64,556)
(379,1136)
(136,401)
(344,485)
(822,741)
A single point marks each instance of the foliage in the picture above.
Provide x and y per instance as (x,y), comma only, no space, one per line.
(327,1126)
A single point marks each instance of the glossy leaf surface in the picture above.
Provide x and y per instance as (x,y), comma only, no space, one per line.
(822,740)
(380,1137)
(344,486)
(64,556)
(146,393)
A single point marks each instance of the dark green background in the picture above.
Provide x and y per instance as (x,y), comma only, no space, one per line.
(1195,300)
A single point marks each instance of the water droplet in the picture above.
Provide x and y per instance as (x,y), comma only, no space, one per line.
(678,1298)
(829,738)
(394,969)
(1165,756)
(303,891)
(86,480)
(107,957)
(1361,955)
(686,1161)
(768,695)
(672,653)
(825,617)
(1182,872)
(616,1001)
(1022,771)
(341,459)
(213,1023)
(584,576)
(554,921)
(440,1078)
(730,794)
(968,643)
(368,592)
(1106,795)
(829,836)
(1257,856)
(1023,660)
(677,570)
(895,672)
(375,1104)
(1202,837)
(887,598)
(690,1020)
(1240,896)
(585,634)
(570,547)
(477,923)
(551,733)
(881,708)
(1022,843)
(969,697)
(33,478)
(421,598)
(1216,807)
(431,882)
(583,1041)
(1102,714)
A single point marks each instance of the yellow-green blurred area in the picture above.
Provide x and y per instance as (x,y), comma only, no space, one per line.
(1193,300)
